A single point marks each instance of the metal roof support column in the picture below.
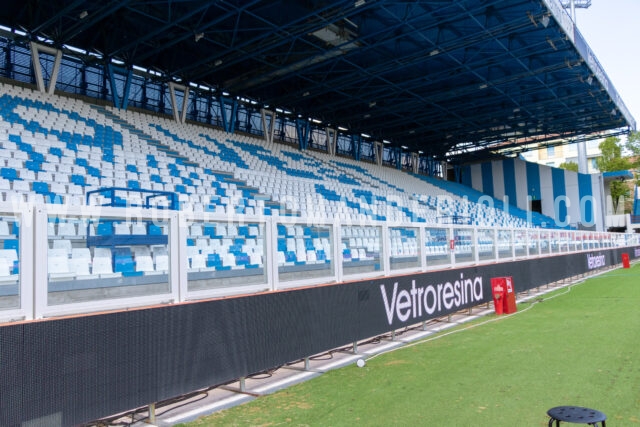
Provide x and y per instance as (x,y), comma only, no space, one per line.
(209,116)
(378,152)
(457,171)
(415,162)
(356,146)
(143,94)
(583,166)
(423,165)
(83,80)
(120,101)
(179,114)
(194,108)
(331,136)
(37,67)
(268,128)
(303,131)
(432,166)
(229,124)
(8,60)
(398,158)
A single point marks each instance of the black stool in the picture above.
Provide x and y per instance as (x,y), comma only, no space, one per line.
(576,414)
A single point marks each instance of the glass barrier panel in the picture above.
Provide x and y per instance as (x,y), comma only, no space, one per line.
(9,262)
(360,248)
(573,241)
(545,242)
(93,259)
(619,240)
(505,248)
(533,242)
(305,252)
(403,247)
(580,241)
(485,242)
(554,237)
(464,248)
(520,242)
(436,244)
(563,241)
(588,243)
(224,254)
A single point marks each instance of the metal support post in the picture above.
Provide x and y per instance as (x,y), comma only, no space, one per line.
(152,413)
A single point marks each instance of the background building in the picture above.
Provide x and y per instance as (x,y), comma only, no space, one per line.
(554,156)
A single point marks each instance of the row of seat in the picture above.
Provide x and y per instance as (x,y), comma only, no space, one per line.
(56,150)
(65,262)
(275,160)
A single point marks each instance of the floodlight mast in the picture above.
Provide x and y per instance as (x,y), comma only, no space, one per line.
(583,167)
(573,4)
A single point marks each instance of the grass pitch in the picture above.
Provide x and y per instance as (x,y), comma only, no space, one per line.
(578,346)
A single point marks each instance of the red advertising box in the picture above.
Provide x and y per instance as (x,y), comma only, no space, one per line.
(498,290)
(625,260)
(504,295)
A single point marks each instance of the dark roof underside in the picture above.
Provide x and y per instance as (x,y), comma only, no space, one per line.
(430,75)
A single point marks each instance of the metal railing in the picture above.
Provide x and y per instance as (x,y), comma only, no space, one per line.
(59,260)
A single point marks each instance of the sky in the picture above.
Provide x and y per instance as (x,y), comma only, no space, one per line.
(611,29)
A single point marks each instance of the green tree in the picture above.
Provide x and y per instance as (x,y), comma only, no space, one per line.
(633,144)
(611,161)
(570,166)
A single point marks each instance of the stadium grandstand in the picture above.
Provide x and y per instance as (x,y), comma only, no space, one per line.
(195,191)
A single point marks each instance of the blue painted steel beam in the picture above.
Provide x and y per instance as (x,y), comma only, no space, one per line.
(356,146)
(319,15)
(457,171)
(120,102)
(228,123)
(303,131)
(161,29)
(96,15)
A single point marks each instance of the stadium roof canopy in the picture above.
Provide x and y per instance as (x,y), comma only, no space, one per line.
(436,75)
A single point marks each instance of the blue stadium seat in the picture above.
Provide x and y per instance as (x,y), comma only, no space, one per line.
(123,262)
(40,187)
(33,165)
(9,173)
(104,228)
(78,180)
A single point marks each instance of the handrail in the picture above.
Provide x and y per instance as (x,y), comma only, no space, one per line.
(350,251)
(111,193)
